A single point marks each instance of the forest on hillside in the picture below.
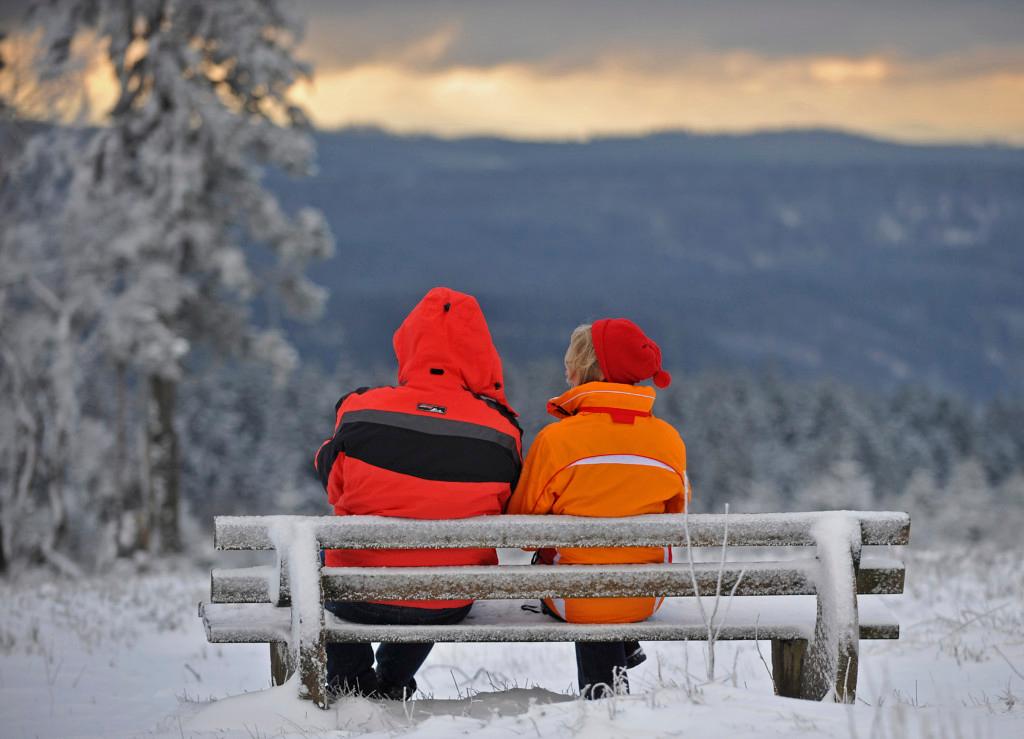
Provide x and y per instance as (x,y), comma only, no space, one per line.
(756,441)
(816,253)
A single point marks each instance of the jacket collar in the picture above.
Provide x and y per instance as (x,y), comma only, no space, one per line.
(623,402)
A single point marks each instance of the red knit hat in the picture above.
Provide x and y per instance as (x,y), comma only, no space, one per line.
(626,354)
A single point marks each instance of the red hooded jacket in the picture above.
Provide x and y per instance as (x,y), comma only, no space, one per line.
(441,444)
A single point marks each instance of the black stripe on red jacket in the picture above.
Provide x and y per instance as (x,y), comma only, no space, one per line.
(424,447)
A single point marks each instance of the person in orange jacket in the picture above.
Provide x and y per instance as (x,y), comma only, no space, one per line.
(607,456)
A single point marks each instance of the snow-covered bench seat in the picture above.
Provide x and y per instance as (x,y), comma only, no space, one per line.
(807,606)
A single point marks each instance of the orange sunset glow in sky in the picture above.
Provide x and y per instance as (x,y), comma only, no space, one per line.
(913,70)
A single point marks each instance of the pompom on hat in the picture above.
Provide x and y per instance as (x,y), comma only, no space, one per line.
(626,354)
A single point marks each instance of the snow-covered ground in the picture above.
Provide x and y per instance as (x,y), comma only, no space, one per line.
(125,655)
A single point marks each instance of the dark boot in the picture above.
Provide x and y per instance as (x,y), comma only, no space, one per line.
(634,654)
(394,692)
(364,684)
(601,669)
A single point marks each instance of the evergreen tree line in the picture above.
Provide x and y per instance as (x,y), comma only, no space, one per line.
(754,440)
(248,434)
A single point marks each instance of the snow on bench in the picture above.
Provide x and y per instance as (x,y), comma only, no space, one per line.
(808,606)
(490,621)
(706,530)
(794,577)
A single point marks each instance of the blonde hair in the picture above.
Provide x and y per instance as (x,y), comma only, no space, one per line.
(580,358)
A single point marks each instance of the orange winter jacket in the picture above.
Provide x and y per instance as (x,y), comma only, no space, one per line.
(607,457)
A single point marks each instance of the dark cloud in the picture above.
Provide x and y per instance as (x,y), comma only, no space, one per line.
(488,32)
(11,12)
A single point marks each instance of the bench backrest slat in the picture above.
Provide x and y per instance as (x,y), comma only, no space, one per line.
(377,532)
(794,577)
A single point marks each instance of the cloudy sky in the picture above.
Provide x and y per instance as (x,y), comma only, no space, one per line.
(910,69)
(919,70)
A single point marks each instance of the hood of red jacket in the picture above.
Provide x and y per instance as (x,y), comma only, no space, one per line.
(447,331)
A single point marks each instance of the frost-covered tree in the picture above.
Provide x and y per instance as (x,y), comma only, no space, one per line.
(41,343)
(844,486)
(43,337)
(969,509)
(922,498)
(168,198)
(1010,507)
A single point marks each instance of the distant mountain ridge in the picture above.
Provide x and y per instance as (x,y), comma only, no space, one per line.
(815,252)
(783,145)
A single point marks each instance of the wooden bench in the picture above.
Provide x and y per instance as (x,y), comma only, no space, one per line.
(814,630)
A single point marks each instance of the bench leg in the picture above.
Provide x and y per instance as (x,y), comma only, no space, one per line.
(303,561)
(282,659)
(830,665)
(281,664)
(788,666)
(313,669)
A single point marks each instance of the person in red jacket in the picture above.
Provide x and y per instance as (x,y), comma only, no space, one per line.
(442,443)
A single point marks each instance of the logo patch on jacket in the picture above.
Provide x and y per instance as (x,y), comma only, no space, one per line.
(431,408)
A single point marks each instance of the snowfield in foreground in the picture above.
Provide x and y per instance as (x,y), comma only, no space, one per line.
(124,655)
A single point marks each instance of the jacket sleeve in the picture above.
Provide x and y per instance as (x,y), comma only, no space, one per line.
(505,495)
(675,504)
(329,457)
(679,502)
(328,453)
(533,493)
(517,453)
